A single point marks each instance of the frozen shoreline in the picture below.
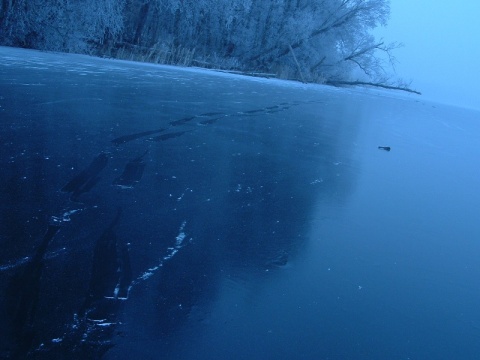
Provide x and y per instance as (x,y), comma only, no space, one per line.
(19,55)
(44,57)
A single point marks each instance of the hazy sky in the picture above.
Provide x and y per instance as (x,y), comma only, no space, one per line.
(442,48)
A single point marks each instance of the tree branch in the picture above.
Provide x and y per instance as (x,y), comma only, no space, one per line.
(366,83)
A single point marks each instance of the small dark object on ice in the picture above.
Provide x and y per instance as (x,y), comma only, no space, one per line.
(386,148)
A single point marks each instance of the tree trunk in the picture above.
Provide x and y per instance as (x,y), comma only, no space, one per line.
(298,65)
(366,83)
(142,19)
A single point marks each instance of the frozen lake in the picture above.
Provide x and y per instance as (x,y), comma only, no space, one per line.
(155,212)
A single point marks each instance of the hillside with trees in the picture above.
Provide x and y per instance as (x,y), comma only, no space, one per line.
(324,41)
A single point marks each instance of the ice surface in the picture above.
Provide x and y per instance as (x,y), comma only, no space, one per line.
(291,206)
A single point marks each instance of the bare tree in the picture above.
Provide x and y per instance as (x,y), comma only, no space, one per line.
(312,40)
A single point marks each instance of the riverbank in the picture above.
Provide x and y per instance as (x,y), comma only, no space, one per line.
(187,62)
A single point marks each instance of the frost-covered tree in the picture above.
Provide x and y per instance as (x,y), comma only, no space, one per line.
(15,23)
(64,25)
(312,40)
(329,37)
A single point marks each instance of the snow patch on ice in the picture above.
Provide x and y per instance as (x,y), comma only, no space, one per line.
(65,217)
(145,275)
(124,187)
(181,235)
(55,253)
(106,324)
(180,198)
(171,252)
(13,265)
